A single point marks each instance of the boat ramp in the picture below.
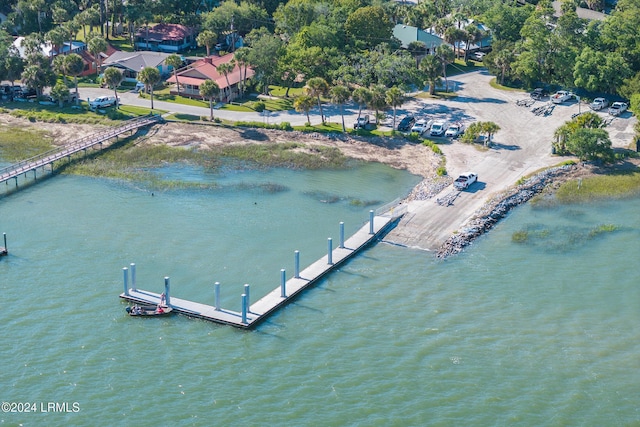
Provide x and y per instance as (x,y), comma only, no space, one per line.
(252,314)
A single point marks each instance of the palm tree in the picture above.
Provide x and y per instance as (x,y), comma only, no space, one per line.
(378,100)
(74,65)
(339,95)
(240,56)
(446,56)
(150,76)
(113,77)
(362,97)
(316,87)
(395,98)
(207,38)
(209,90)
(96,45)
(418,50)
(174,61)
(225,70)
(490,128)
(430,66)
(304,103)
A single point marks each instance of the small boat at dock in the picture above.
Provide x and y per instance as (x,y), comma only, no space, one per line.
(149,310)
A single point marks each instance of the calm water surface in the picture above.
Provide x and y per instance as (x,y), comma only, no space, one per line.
(541,332)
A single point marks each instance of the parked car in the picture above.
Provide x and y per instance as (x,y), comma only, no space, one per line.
(465,180)
(478,56)
(598,104)
(438,129)
(361,122)
(618,108)
(406,123)
(103,102)
(454,130)
(561,96)
(538,93)
(421,126)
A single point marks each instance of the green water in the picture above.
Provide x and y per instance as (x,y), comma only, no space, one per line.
(536,333)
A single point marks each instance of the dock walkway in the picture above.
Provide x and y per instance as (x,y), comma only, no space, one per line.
(253,314)
(49,157)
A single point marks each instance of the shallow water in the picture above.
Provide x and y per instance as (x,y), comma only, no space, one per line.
(535,333)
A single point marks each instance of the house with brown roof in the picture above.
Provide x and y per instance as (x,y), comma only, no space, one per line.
(192,77)
(170,38)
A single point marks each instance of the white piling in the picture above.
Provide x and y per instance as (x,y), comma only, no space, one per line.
(133,276)
(283,283)
(329,251)
(244,309)
(125,272)
(246,292)
(166,290)
(341,235)
(297,264)
(216,293)
(371,222)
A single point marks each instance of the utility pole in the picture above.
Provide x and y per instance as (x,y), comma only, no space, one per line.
(233,37)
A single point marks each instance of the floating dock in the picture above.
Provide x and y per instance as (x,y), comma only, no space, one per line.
(253,314)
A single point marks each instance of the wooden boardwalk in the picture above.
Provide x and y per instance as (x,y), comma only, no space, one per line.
(98,139)
(268,304)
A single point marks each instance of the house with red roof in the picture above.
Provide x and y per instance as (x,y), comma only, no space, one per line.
(170,38)
(203,69)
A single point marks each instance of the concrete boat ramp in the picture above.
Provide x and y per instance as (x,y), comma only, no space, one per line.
(252,314)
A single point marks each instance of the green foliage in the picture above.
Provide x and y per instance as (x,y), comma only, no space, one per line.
(18,143)
(520,236)
(619,185)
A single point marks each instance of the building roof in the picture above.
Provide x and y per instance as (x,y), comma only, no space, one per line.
(135,60)
(580,11)
(206,69)
(164,32)
(407,34)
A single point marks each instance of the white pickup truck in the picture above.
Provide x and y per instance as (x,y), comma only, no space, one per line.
(465,180)
(102,102)
(561,96)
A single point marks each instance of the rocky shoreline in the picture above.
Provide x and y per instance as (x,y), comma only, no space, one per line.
(499,207)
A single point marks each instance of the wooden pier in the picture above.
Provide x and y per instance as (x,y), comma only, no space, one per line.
(98,140)
(253,314)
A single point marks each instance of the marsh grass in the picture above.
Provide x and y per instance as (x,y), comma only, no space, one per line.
(18,144)
(560,238)
(130,162)
(614,185)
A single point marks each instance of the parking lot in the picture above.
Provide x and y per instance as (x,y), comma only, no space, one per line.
(521,147)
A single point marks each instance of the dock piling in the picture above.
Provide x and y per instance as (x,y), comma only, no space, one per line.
(244,309)
(125,272)
(4,237)
(166,290)
(341,235)
(297,264)
(216,293)
(371,222)
(133,276)
(283,283)
(329,251)
(246,292)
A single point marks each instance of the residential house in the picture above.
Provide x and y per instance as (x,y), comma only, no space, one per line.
(192,77)
(170,38)
(407,34)
(90,63)
(131,63)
